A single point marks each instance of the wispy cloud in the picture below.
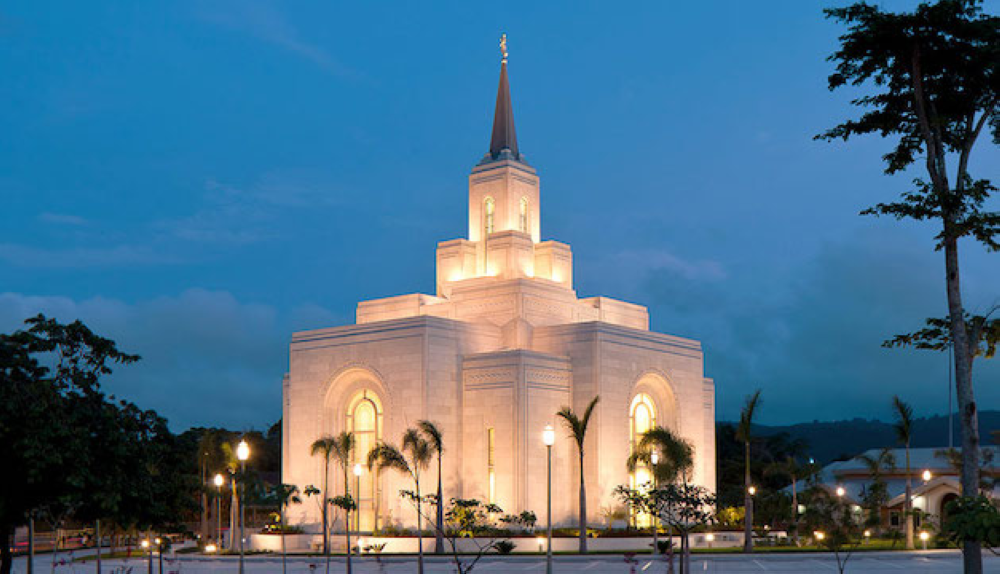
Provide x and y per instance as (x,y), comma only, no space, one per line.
(79,257)
(62,219)
(261,20)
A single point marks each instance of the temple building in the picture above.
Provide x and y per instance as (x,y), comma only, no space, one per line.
(502,344)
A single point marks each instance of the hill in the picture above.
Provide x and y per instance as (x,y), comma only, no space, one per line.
(829,441)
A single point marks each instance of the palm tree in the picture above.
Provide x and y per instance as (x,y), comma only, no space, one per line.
(675,455)
(233,466)
(675,458)
(743,434)
(791,469)
(339,448)
(577,427)
(434,437)
(418,453)
(904,428)
(283,495)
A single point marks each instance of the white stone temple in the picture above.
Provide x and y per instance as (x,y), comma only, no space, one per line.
(502,345)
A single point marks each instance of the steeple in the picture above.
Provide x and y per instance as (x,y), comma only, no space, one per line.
(504,136)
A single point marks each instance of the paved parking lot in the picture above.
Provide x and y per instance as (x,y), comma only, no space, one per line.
(942,562)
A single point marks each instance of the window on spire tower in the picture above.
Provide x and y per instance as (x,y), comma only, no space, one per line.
(490,208)
(523,222)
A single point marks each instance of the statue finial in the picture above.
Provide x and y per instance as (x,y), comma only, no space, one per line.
(503,48)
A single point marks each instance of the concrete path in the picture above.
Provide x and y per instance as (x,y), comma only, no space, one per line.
(939,562)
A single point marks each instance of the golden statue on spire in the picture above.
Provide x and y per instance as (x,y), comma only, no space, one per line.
(503,48)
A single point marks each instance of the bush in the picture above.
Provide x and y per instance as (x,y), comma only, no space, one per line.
(504,546)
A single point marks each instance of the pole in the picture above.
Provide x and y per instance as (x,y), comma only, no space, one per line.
(357,513)
(243,505)
(656,519)
(97,532)
(149,556)
(218,519)
(159,555)
(548,513)
(31,543)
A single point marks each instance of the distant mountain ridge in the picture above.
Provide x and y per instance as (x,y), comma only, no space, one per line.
(829,441)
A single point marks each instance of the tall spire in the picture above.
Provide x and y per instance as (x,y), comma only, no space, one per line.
(504,136)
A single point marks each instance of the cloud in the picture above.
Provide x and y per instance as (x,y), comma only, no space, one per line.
(79,257)
(207,358)
(62,219)
(263,21)
(812,341)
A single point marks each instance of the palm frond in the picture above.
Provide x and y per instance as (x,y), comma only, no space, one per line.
(904,420)
(433,434)
(744,428)
(384,455)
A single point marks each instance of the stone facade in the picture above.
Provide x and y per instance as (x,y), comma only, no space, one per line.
(501,347)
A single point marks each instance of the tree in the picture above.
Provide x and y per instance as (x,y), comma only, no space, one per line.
(904,433)
(48,372)
(791,469)
(435,438)
(934,73)
(340,448)
(683,507)
(577,427)
(834,524)
(675,458)
(876,494)
(466,520)
(282,495)
(233,468)
(743,434)
(418,454)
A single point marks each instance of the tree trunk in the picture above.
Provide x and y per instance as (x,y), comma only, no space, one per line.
(234,510)
(908,502)
(420,533)
(204,503)
(6,558)
(97,535)
(31,542)
(347,516)
(284,567)
(326,506)
(795,513)
(971,550)
(583,510)
(747,504)
(439,535)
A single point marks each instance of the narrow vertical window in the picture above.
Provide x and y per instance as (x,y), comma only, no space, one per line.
(490,208)
(490,468)
(523,221)
(642,417)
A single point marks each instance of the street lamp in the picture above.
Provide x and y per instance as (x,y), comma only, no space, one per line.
(924,536)
(752,490)
(841,491)
(549,439)
(654,459)
(926,476)
(219,481)
(358,471)
(149,555)
(242,453)
(159,553)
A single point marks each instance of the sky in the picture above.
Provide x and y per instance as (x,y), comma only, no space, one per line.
(198,180)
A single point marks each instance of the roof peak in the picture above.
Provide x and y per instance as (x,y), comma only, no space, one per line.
(504,137)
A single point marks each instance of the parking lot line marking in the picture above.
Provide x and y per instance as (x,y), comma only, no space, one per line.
(759,565)
(593,565)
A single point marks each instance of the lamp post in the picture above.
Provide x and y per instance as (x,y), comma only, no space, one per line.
(149,555)
(159,553)
(219,481)
(654,459)
(242,453)
(926,476)
(358,471)
(549,438)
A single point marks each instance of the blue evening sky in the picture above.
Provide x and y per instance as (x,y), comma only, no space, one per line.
(200,179)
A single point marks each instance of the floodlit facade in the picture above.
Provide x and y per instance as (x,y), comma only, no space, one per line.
(490,357)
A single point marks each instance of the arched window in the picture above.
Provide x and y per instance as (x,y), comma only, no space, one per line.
(641,418)
(523,220)
(364,419)
(490,208)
